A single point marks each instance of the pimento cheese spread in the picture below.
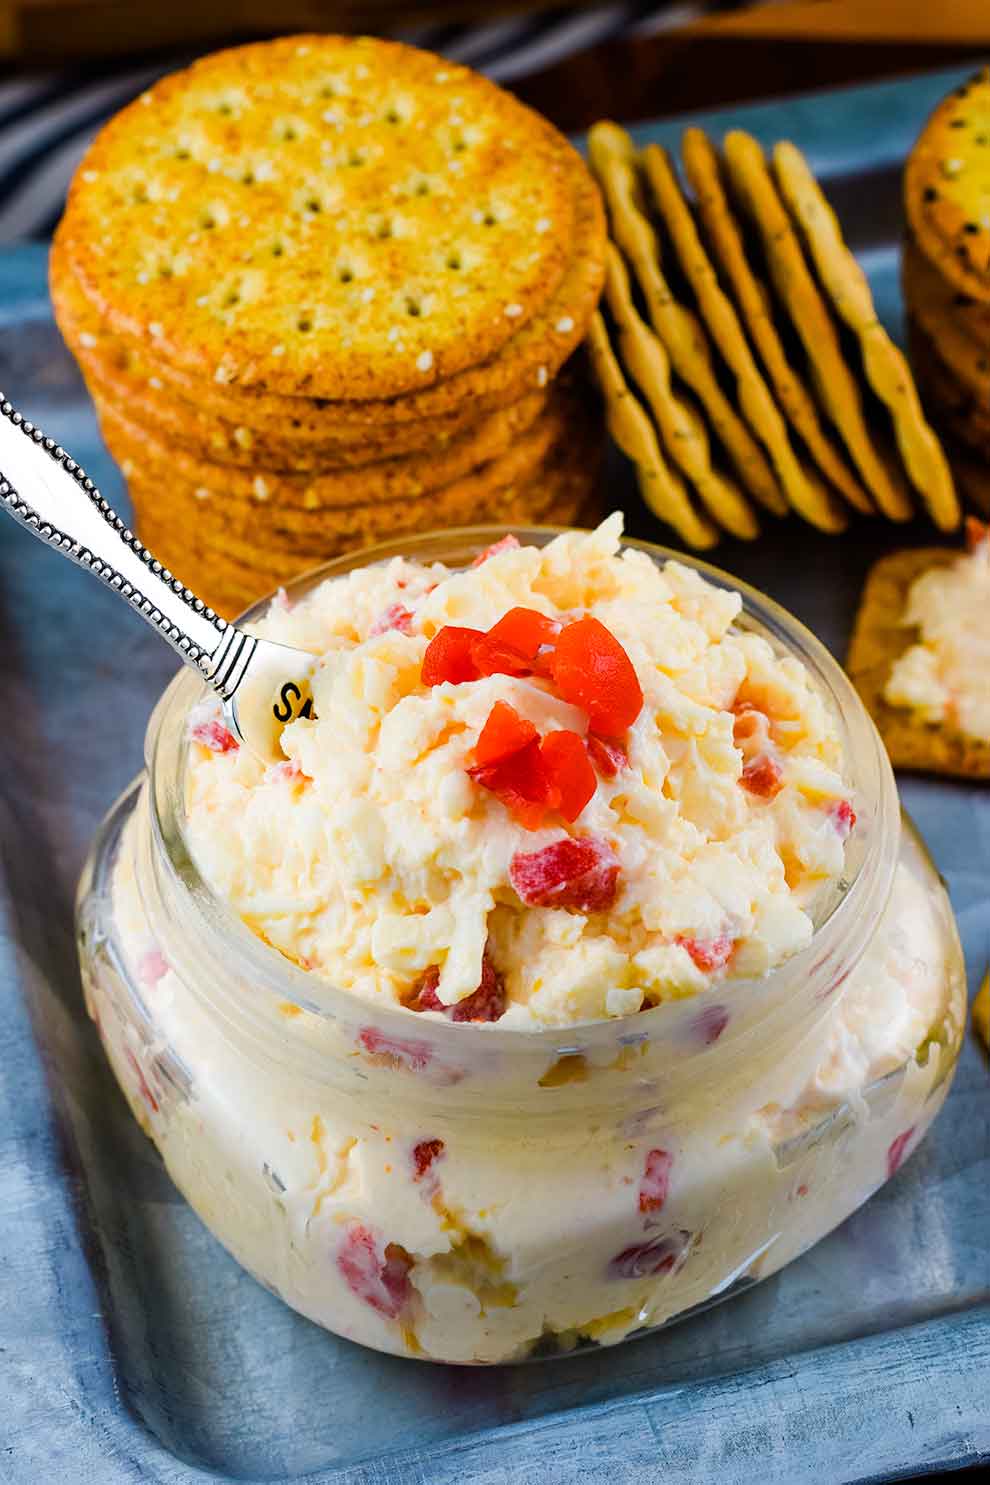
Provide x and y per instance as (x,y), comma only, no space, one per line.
(945,677)
(560,785)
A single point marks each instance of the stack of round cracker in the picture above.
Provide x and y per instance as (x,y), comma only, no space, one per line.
(946,276)
(323,291)
(745,369)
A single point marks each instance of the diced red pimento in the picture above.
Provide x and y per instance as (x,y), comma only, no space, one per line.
(646,1260)
(152,967)
(412,1055)
(709,954)
(522,783)
(215,736)
(897,1152)
(609,757)
(977,531)
(843,817)
(396,616)
(592,671)
(505,733)
(494,657)
(763,777)
(448,656)
(423,1155)
(580,873)
(487,1003)
(377,1273)
(506,544)
(525,630)
(566,759)
(655,1185)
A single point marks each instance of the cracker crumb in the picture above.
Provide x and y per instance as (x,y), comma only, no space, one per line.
(424,361)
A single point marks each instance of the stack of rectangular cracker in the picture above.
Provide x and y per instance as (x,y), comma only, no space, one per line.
(744,367)
(324,291)
(946,277)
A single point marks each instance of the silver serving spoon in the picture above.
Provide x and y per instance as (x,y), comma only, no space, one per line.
(263,685)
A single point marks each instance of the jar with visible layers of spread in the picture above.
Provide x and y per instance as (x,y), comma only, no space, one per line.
(467,1192)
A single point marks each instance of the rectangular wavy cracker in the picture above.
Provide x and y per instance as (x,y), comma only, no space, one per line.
(834,381)
(805,491)
(878,639)
(681,428)
(887,371)
(632,430)
(701,165)
(613,160)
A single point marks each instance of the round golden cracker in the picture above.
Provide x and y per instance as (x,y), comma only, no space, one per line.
(701,166)
(327,489)
(951,406)
(681,429)
(529,361)
(929,301)
(981,1011)
(947,188)
(879,638)
(613,160)
(886,369)
(563,492)
(632,430)
(324,216)
(805,491)
(836,384)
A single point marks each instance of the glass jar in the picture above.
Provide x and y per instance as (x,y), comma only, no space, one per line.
(467,1193)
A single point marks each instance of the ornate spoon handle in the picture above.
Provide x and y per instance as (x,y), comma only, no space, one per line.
(44,489)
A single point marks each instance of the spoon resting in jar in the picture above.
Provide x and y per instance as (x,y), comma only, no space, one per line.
(263,686)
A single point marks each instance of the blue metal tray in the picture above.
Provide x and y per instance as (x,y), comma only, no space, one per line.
(133,1349)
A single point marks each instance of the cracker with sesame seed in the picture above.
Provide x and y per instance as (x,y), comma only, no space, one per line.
(947,188)
(529,360)
(929,301)
(886,369)
(879,638)
(808,495)
(232,218)
(613,159)
(319,501)
(800,296)
(681,428)
(561,489)
(701,165)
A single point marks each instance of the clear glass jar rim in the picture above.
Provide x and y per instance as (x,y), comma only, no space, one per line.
(277,979)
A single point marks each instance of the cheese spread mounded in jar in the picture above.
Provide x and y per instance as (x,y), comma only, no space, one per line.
(573,970)
(557,786)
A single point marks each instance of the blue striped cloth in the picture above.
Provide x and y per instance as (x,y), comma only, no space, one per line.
(46,122)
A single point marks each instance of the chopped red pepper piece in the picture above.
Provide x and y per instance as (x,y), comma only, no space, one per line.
(448,656)
(654,1186)
(396,616)
(506,544)
(423,1156)
(392,1050)
(843,817)
(525,630)
(570,770)
(487,1003)
(375,1273)
(709,954)
(593,671)
(215,736)
(608,757)
(976,531)
(897,1152)
(762,776)
(581,874)
(522,783)
(505,733)
(493,657)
